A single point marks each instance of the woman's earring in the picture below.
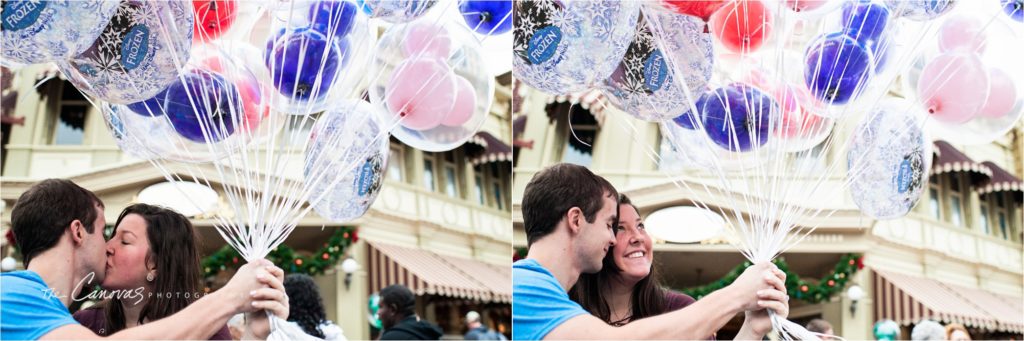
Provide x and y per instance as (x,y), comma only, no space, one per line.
(149,277)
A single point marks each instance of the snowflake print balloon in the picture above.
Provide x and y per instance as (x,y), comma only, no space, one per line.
(35,31)
(667,48)
(137,55)
(568,46)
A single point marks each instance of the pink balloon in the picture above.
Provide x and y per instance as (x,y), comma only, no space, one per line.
(962,32)
(426,39)
(796,119)
(421,92)
(465,103)
(954,87)
(1002,97)
(804,5)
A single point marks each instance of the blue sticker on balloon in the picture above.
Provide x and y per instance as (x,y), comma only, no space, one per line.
(134,47)
(655,71)
(21,14)
(543,44)
(366,178)
(903,176)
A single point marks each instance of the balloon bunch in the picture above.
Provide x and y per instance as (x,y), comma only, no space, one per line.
(753,96)
(265,100)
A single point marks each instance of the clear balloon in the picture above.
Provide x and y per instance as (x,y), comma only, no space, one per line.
(963,32)
(490,17)
(426,104)
(45,31)
(700,9)
(837,68)
(1014,9)
(742,26)
(303,65)
(920,10)
(889,158)
(396,11)
(669,56)
(213,18)
(333,18)
(1003,95)
(738,117)
(865,20)
(569,46)
(346,161)
(139,54)
(954,87)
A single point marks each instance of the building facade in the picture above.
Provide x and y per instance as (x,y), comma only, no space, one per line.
(960,245)
(435,210)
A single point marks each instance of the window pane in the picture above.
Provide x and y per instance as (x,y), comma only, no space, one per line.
(578,157)
(955,211)
(479,189)
(984,220)
(496,187)
(70,127)
(450,181)
(395,165)
(428,175)
(936,208)
(954,182)
(671,159)
(1003,226)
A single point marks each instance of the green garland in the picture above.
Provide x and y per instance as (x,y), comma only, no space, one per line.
(285,257)
(822,291)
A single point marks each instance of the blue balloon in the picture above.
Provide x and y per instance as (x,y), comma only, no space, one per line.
(203,102)
(333,18)
(151,107)
(737,117)
(303,64)
(865,20)
(34,32)
(837,68)
(688,120)
(563,47)
(1014,9)
(487,16)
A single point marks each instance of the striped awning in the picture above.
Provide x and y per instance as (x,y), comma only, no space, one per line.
(494,150)
(909,299)
(1008,311)
(426,273)
(592,101)
(495,278)
(1002,181)
(949,159)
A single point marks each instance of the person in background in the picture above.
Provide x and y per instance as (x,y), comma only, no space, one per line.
(821,326)
(957,332)
(236,326)
(307,308)
(928,330)
(478,331)
(398,318)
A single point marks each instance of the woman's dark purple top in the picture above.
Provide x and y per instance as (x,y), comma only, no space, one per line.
(675,301)
(93,319)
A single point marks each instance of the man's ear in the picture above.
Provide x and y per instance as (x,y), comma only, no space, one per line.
(574,219)
(77,232)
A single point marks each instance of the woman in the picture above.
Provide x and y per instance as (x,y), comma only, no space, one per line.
(153,272)
(306,308)
(628,287)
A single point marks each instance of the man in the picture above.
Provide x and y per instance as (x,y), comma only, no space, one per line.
(821,327)
(570,215)
(58,227)
(478,331)
(397,313)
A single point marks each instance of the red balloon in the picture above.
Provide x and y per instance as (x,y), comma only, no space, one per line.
(700,9)
(742,25)
(213,18)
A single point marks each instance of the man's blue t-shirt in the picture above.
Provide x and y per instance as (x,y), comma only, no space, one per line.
(539,304)
(28,310)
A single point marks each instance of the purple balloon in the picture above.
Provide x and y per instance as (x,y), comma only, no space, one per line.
(203,108)
(737,117)
(303,64)
(837,68)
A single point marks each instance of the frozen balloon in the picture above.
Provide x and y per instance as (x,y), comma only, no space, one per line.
(33,31)
(738,117)
(487,16)
(346,160)
(837,68)
(889,159)
(652,80)
(563,47)
(396,11)
(920,10)
(139,53)
(700,9)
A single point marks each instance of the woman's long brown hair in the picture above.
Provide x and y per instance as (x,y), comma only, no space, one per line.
(173,248)
(648,298)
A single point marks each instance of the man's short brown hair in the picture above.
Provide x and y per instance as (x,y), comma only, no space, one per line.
(555,190)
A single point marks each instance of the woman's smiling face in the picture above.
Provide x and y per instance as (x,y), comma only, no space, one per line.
(632,252)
